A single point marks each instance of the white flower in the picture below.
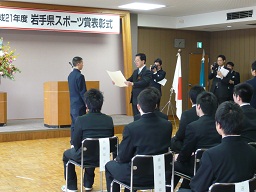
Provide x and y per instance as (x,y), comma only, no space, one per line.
(1,53)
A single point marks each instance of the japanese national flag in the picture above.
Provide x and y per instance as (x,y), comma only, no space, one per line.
(177,86)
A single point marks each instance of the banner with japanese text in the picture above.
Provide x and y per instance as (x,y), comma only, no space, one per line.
(65,21)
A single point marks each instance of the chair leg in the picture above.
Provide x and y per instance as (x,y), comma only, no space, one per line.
(67,176)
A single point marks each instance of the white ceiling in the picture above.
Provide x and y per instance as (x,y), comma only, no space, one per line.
(174,8)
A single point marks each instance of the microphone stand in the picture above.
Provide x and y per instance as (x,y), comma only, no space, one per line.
(168,105)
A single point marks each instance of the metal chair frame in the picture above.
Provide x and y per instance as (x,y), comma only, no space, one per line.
(230,187)
(198,156)
(113,148)
(135,166)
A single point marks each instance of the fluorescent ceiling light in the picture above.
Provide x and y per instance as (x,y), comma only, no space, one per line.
(141,6)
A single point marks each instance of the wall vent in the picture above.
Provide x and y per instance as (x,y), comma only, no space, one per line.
(239,15)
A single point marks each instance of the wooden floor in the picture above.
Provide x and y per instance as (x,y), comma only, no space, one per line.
(36,165)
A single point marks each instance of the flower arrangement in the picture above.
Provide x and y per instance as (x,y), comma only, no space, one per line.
(7,56)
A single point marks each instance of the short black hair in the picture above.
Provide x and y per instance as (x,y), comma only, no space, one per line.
(230,116)
(157,92)
(222,56)
(94,100)
(158,60)
(142,56)
(147,99)
(254,65)
(194,92)
(230,63)
(76,60)
(244,91)
(208,102)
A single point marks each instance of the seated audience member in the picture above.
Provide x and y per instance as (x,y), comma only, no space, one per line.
(199,134)
(149,135)
(187,117)
(252,82)
(92,125)
(157,111)
(242,96)
(231,161)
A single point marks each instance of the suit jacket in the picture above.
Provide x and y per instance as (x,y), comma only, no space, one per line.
(187,117)
(220,87)
(141,81)
(249,124)
(91,125)
(231,161)
(157,112)
(235,76)
(77,89)
(150,135)
(253,83)
(199,134)
(160,75)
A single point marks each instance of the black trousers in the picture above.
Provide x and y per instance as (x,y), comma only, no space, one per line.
(72,177)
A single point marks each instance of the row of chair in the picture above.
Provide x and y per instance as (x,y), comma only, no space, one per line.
(143,165)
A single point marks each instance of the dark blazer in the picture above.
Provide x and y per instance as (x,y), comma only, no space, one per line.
(160,75)
(141,81)
(231,161)
(157,112)
(187,117)
(91,125)
(220,87)
(235,76)
(252,82)
(199,134)
(148,135)
(77,89)
(249,132)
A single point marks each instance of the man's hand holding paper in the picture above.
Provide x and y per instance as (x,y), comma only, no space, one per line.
(117,78)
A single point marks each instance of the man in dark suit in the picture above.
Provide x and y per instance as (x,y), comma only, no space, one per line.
(92,125)
(158,74)
(231,161)
(148,135)
(199,134)
(139,80)
(157,111)
(220,80)
(235,79)
(187,117)
(77,89)
(242,96)
(252,82)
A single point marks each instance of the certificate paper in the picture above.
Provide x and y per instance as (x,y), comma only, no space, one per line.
(118,78)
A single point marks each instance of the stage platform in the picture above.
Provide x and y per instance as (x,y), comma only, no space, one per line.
(30,129)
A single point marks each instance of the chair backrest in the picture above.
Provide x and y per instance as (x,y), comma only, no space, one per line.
(198,156)
(142,166)
(90,146)
(252,144)
(230,187)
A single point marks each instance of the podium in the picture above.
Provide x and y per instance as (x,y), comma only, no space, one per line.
(57,103)
(3,108)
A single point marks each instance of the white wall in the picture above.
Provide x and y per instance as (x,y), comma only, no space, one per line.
(44,56)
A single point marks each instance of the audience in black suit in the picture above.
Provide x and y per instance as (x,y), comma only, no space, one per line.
(139,80)
(92,125)
(187,117)
(220,83)
(148,135)
(199,134)
(158,74)
(231,161)
(252,82)
(77,89)
(242,96)
(157,110)
(235,79)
